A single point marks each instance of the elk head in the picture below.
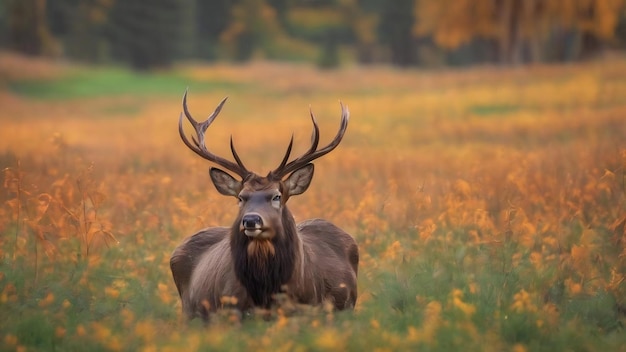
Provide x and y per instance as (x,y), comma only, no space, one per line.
(264,241)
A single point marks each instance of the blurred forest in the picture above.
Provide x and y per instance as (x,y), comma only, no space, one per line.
(157,33)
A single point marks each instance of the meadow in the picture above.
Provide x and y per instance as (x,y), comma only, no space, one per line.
(489,204)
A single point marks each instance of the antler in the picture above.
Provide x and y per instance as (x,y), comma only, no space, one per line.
(199,146)
(285,168)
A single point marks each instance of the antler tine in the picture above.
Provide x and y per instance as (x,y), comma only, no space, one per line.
(194,123)
(235,155)
(315,136)
(313,153)
(199,146)
(286,157)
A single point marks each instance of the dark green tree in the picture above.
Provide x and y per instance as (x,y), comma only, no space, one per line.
(281,7)
(3,24)
(211,18)
(79,26)
(147,34)
(395,31)
(329,56)
(26,27)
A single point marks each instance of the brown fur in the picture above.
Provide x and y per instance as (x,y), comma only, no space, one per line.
(326,266)
(264,253)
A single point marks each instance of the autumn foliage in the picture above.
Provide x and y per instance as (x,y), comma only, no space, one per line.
(489,206)
(520,30)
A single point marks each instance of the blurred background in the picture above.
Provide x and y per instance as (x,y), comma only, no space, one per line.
(489,202)
(145,35)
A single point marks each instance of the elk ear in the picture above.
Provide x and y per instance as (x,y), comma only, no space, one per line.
(225,183)
(299,180)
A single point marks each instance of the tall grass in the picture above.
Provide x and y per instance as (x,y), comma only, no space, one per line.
(489,206)
(111,82)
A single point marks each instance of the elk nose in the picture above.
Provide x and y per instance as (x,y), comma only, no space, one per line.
(252,221)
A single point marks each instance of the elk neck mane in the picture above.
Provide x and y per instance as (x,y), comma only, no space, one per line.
(264,270)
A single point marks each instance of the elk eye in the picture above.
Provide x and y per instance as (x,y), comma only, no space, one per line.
(240,200)
(276,201)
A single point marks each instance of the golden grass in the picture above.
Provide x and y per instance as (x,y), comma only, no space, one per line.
(517,171)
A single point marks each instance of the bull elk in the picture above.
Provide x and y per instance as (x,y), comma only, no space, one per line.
(264,252)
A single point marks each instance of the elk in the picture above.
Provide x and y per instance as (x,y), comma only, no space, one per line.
(264,252)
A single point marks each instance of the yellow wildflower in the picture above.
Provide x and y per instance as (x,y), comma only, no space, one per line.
(47,300)
(522,302)
(10,340)
(329,340)
(457,301)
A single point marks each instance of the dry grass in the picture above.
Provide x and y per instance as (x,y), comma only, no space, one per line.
(489,205)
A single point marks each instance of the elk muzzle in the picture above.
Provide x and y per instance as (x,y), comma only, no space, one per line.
(252,226)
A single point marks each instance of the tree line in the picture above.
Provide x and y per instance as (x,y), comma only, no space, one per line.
(156,33)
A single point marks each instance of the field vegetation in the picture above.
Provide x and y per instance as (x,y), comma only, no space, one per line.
(489,204)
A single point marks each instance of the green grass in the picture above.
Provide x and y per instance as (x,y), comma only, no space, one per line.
(397,304)
(113,82)
(493,110)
